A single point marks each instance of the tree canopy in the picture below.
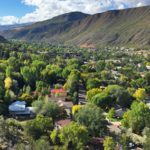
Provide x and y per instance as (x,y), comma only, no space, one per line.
(137,118)
(92,117)
(74,136)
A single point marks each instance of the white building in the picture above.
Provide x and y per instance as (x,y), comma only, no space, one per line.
(19,108)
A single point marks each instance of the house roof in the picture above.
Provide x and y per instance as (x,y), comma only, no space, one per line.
(65,104)
(39,93)
(17,106)
(58,91)
(87,46)
(120,112)
(63,123)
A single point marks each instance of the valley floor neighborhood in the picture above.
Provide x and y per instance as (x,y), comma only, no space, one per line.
(78,81)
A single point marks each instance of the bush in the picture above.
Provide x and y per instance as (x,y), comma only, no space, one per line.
(27,98)
(111,113)
(69,98)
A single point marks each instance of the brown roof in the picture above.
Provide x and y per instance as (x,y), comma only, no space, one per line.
(63,122)
(61,102)
(56,99)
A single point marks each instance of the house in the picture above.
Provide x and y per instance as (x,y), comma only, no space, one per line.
(120,112)
(142,74)
(67,105)
(19,108)
(87,46)
(34,93)
(62,123)
(62,91)
(102,87)
(61,100)
(148,67)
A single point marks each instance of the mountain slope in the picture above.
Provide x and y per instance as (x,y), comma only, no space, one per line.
(39,30)
(6,27)
(3,40)
(129,26)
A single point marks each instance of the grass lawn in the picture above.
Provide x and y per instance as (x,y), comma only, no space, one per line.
(113,119)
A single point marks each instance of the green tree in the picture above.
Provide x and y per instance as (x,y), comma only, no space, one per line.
(38,106)
(27,98)
(9,71)
(40,85)
(124,141)
(109,144)
(111,113)
(32,130)
(140,112)
(109,66)
(147,142)
(74,63)
(66,72)
(73,81)
(119,95)
(91,93)
(102,100)
(105,75)
(29,75)
(100,65)
(127,71)
(123,80)
(3,108)
(38,127)
(39,66)
(131,91)
(92,117)
(55,137)
(2,92)
(48,76)
(57,70)
(44,123)
(92,83)
(42,144)
(9,130)
(50,109)
(74,136)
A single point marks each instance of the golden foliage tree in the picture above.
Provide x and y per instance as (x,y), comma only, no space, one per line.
(140,94)
(8,83)
(75,109)
(91,93)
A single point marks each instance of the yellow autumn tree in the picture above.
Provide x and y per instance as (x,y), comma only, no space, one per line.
(75,109)
(8,83)
(140,94)
(91,93)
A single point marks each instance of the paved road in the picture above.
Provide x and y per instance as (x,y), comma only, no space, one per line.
(82,94)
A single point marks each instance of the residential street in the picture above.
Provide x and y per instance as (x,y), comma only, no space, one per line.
(82,94)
